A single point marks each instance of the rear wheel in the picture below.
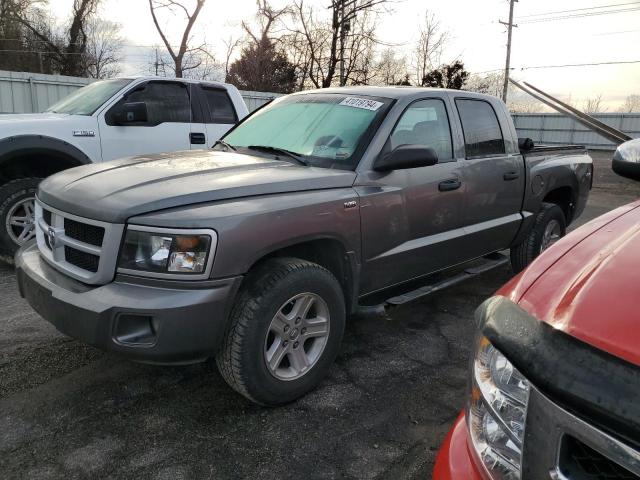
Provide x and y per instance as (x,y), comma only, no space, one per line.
(284,333)
(549,226)
(17,213)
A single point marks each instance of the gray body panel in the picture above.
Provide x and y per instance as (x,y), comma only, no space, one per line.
(392,227)
(115,191)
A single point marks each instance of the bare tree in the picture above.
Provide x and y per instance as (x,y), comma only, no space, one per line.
(490,83)
(231,45)
(68,51)
(594,104)
(390,68)
(334,46)
(184,58)
(631,104)
(431,42)
(104,48)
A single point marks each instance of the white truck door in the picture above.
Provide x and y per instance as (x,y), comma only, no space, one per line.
(220,114)
(165,127)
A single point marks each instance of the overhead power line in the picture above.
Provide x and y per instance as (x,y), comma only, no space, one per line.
(578,15)
(578,9)
(566,65)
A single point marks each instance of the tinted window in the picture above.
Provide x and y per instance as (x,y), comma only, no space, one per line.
(220,106)
(482,134)
(166,102)
(425,123)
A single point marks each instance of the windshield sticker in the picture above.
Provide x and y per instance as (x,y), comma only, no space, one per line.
(364,103)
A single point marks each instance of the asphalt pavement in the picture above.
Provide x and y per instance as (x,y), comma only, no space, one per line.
(70,411)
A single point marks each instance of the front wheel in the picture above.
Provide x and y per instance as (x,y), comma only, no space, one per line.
(549,226)
(17,213)
(284,332)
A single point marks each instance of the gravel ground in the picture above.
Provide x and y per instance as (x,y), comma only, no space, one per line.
(70,411)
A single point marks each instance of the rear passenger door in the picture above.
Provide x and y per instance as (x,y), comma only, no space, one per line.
(218,113)
(494,178)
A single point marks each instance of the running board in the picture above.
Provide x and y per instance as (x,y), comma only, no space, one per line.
(489,262)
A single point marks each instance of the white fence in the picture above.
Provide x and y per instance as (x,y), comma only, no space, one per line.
(553,128)
(22,92)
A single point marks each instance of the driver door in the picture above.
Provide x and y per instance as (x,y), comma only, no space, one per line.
(168,125)
(411,218)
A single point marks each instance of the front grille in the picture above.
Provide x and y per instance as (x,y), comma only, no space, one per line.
(46,216)
(581,462)
(82,248)
(84,232)
(83,260)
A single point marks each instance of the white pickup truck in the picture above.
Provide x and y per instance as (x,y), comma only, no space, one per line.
(105,120)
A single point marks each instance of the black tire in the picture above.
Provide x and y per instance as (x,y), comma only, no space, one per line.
(523,254)
(241,360)
(12,193)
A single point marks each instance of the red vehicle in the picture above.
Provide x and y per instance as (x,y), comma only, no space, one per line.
(555,379)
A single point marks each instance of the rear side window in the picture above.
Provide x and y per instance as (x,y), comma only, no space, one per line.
(220,107)
(166,102)
(482,133)
(425,123)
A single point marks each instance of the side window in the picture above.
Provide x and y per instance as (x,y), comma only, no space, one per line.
(220,107)
(482,133)
(425,122)
(166,102)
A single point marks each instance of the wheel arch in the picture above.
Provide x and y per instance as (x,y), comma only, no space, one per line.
(328,252)
(565,197)
(37,156)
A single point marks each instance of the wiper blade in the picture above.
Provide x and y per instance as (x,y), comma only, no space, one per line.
(224,144)
(279,151)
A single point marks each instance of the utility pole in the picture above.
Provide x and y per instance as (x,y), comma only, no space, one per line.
(156,64)
(507,66)
(342,38)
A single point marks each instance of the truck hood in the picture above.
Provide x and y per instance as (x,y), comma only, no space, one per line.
(117,190)
(587,284)
(18,121)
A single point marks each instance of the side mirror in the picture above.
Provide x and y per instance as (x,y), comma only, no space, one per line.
(626,160)
(406,156)
(525,145)
(131,112)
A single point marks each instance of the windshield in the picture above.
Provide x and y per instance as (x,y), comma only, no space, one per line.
(325,130)
(88,99)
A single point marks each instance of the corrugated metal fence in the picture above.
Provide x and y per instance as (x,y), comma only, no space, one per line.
(553,128)
(22,92)
(32,92)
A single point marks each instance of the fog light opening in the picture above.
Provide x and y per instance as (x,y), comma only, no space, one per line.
(134,330)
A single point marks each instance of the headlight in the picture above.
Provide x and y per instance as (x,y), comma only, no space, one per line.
(160,252)
(497,412)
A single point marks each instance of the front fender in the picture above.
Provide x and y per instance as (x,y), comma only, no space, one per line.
(251,228)
(34,145)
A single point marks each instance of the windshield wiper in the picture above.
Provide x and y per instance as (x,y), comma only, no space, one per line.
(224,144)
(279,151)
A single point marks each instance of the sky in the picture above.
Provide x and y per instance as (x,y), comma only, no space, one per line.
(476,38)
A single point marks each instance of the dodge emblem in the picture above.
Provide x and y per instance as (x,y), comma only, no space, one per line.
(51,234)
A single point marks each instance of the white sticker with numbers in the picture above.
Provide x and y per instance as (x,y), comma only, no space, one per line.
(364,103)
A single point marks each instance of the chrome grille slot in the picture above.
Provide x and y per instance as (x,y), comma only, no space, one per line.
(84,232)
(83,260)
(46,215)
(578,461)
(82,248)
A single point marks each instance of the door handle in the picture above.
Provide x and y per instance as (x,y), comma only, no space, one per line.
(197,138)
(511,176)
(448,185)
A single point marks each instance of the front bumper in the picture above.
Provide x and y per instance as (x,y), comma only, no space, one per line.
(155,322)
(454,460)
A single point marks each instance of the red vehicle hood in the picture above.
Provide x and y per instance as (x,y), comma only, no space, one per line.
(586,284)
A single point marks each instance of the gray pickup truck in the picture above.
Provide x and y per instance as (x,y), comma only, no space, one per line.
(308,211)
